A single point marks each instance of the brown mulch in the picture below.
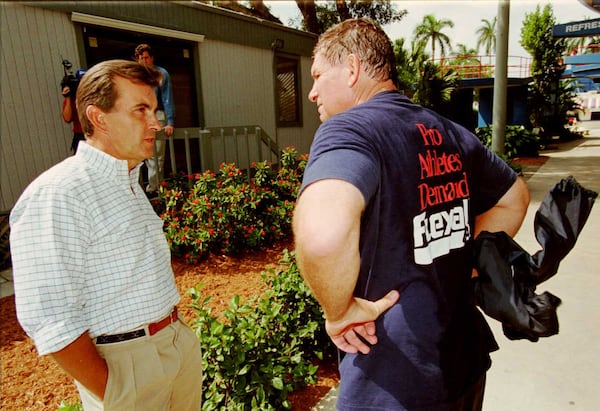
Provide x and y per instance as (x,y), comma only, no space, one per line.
(29,382)
(530,163)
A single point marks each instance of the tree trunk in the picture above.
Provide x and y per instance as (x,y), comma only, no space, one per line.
(342,9)
(309,13)
(257,9)
(262,11)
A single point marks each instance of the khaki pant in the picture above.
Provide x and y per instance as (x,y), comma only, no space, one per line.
(158,373)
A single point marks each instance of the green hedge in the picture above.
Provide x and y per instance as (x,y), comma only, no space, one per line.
(518,141)
(225,212)
(258,352)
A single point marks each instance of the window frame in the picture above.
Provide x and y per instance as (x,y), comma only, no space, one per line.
(280,60)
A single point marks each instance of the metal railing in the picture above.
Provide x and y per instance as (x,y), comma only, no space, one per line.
(483,66)
(207,148)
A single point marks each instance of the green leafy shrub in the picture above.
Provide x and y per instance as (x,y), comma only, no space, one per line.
(518,141)
(261,351)
(301,309)
(226,212)
(65,406)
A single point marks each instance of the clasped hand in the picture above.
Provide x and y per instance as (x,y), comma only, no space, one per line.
(355,331)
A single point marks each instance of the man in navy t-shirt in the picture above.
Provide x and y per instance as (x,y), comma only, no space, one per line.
(392,199)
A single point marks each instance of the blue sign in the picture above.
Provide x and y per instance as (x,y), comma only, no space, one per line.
(577,29)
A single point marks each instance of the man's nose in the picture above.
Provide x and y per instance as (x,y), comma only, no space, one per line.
(312,95)
(154,123)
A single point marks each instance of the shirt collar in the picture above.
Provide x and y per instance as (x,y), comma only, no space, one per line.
(108,165)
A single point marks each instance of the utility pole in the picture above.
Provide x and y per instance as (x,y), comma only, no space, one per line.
(500,78)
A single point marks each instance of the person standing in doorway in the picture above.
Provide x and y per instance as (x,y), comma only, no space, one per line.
(94,285)
(166,114)
(391,201)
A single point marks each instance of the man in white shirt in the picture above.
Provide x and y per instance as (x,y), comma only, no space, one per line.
(94,286)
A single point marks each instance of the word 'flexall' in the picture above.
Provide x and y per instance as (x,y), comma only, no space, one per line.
(436,233)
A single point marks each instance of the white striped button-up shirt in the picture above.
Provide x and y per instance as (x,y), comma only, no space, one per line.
(88,252)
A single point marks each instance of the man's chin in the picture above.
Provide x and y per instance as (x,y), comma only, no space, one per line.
(148,154)
(149,147)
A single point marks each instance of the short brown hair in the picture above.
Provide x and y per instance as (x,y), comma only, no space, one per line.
(97,86)
(363,38)
(139,50)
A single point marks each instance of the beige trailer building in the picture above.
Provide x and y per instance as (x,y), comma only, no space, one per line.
(227,70)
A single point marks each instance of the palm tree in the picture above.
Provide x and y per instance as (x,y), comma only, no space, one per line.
(487,36)
(592,45)
(435,88)
(409,63)
(577,45)
(430,29)
(464,56)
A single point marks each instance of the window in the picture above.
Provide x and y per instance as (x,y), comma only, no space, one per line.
(287,89)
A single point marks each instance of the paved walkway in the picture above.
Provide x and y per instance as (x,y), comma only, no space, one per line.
(562,372)
(559,373)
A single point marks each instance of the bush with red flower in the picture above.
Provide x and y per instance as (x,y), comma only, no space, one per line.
(230,210)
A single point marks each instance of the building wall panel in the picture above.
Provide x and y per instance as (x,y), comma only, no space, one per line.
(237,85)
(33,135)
(244,92)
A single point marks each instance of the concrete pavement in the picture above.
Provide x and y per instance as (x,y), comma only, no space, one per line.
(562,372)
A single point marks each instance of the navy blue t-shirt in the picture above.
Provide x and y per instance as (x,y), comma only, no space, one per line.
(424,179)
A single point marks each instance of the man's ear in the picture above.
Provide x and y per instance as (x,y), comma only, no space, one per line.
(353,67)
(96,117)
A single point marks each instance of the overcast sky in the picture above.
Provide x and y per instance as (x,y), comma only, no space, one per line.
(466,16)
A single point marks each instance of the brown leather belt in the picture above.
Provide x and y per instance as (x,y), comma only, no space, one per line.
(150,330)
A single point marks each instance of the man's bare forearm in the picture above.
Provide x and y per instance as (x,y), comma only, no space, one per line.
(327,229)
(81,360)
(508,214)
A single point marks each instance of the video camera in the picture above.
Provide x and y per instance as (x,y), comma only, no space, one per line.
(70,80)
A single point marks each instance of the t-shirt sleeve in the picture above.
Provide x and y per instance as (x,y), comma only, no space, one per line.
(344,156)
(334,165)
